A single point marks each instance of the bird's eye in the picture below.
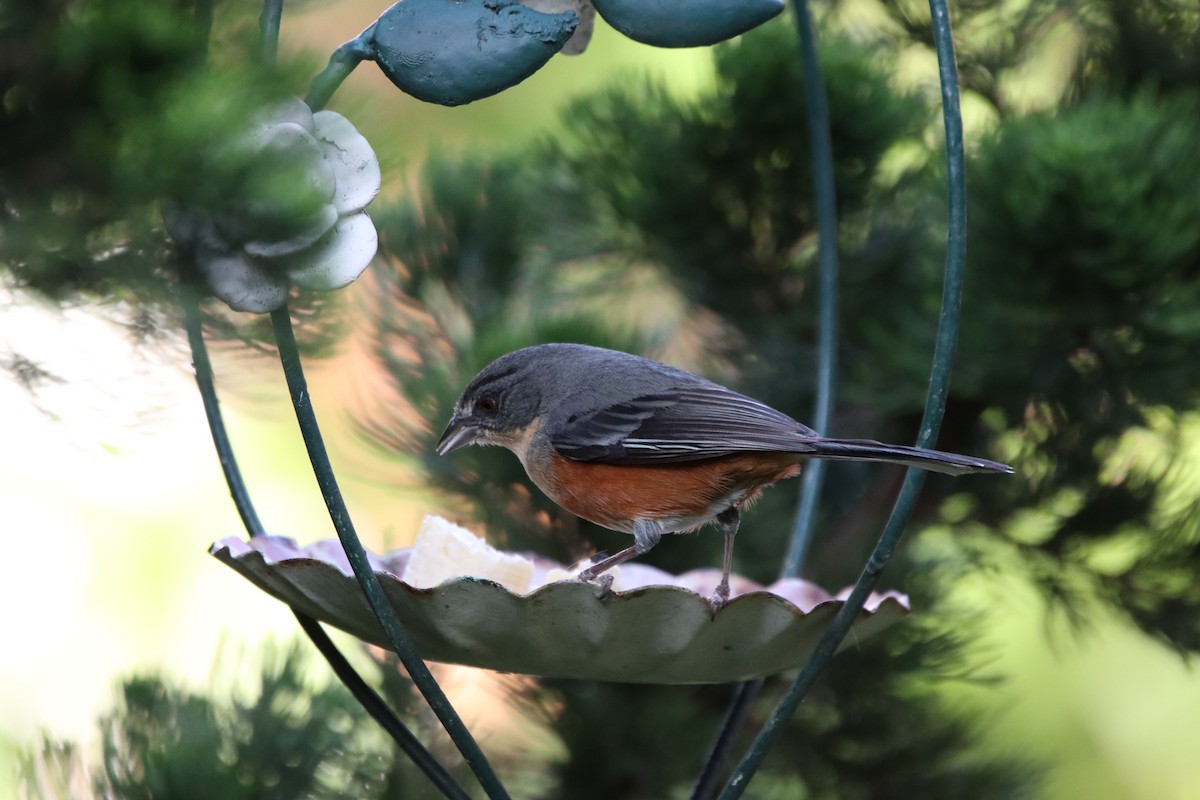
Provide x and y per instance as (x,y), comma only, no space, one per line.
(486,405)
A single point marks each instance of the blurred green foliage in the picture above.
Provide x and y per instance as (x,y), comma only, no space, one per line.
(286,738)
(108,108)
(1098,309)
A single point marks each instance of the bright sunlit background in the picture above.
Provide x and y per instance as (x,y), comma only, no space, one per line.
(110,494)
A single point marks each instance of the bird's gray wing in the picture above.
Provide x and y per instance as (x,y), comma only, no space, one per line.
(701,421)
(687,423)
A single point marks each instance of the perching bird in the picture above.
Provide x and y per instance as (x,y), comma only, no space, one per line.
(645,448)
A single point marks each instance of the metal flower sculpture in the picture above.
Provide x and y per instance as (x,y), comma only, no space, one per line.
(299,218)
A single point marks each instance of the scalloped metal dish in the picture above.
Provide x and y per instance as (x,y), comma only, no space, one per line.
(651,634)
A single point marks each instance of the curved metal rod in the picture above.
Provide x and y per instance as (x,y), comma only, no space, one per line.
(268,26)
(216,423)
(366,696)
(825,190)
(375,705)
(397,636)
(935,406)
(341,63)
(739,707)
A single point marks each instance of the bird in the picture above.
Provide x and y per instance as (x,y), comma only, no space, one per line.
(645,448)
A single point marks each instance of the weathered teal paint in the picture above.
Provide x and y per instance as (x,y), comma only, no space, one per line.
(452,52)
(686,23)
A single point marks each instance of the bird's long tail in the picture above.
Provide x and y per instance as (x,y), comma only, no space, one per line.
(934,460)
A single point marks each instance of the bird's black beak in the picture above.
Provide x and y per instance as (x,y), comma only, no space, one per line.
(458,434)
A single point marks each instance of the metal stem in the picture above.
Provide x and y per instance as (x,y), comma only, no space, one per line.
(216,424)
(935,406)
(825,190)
(366,696)
(821,144)
(268,25)
(341,63)
(743,699)
(397,636)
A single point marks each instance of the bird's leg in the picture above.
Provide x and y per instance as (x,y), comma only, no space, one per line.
(646,534)
(729,520)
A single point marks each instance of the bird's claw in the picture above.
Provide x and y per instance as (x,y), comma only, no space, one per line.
(719,597)
(602,581)
(603,584)
(600,578)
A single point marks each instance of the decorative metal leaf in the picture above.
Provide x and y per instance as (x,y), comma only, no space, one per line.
(686,23)
(455,51)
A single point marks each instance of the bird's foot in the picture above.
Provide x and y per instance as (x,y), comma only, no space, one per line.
(603,584)
(719,597)
(597,575)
